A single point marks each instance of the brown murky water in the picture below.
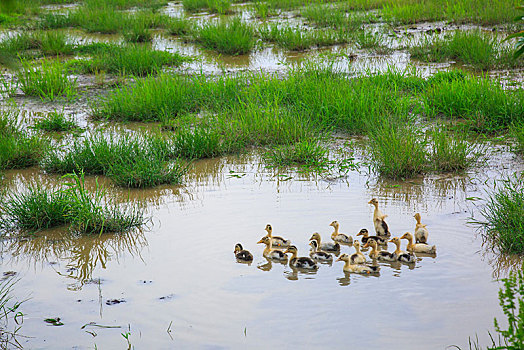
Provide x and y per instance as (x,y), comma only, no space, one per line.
(180,273)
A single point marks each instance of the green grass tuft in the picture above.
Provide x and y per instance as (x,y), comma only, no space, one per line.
(398,151)
(131,59)
(214,6)
(130,161)
(478,49)
(450,152)
(49,82)
(503,227)
(310,153)
(56,122)
(88,213)
(233,37)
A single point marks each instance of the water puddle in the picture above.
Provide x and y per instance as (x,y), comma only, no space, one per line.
(180,274)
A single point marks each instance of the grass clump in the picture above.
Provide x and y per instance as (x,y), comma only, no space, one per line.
(517,131)
(18,148)
(178,26)
(55,121)
(233,37)
(49,82)
(138,161)
(310,153)
(130,59)
(214,6)
(325,16)
(478,49)
(449,153)
(137,32)
(503,225)
(480,102)
(398,151)
(298,39)
(88,213)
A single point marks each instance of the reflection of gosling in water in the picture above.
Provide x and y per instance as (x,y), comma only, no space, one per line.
(302,262)
(418,247)
(421,232)
(319,255)
(399,254)
(242,254)
(329,246)
(269,252)
(349,267)
(340,237)
(276,240)
(381,228)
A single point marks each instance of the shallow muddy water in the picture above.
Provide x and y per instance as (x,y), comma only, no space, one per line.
(180,274)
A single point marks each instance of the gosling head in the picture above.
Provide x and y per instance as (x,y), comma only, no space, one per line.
(395,240)
(238,248)
(264,240)
(291,249)
(334,224)
(370,243)
(356,244)
(343,257)
(407,236)
(313,244)
(269,229)
(373,201)
(363,232)
(315,236)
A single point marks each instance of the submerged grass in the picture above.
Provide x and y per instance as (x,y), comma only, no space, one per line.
(503,225)
(478,49)
(39,208)
(517,131)
(233,37)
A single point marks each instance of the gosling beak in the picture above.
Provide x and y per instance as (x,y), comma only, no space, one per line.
(359,234)
(390,241)
(370,202)
(338,259)
(366,245)
(261,241)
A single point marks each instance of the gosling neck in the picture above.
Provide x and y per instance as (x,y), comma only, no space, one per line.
(357,248)
(397,250)
(336,230)
(410,242)
(374,251)
(293,255)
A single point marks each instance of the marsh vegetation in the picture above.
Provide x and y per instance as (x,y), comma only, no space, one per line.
(115,106)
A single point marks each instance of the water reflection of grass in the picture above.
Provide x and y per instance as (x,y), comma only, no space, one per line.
(83,254)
